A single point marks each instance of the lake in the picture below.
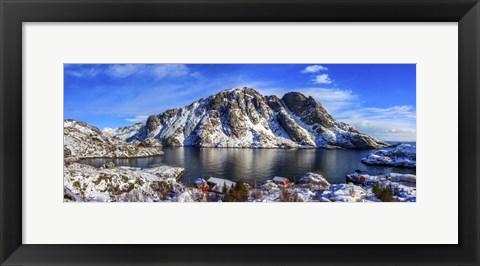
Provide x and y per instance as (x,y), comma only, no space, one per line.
(257,164)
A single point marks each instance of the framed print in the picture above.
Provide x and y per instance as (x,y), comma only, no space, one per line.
(238,144)
(239,132)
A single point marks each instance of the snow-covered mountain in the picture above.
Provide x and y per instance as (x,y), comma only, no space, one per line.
(243,117)
(124,133)
(81,140)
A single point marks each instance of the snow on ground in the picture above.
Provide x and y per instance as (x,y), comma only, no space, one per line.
(124,133)
(311,188)
(106,184)
(347,193)
(81,140)
(314,187)
(126,184)
(404,155)
(403,184)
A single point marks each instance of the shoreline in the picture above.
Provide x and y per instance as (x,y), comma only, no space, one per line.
(127,184)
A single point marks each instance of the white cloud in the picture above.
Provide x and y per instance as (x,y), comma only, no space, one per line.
(397,123)
(402,111)
(196,75)
(137,119)
(331,95)
(169,70)
(123,71)
(322,79)
(84,72)
(158,71)
(333,99)
(314,69)
(318,79)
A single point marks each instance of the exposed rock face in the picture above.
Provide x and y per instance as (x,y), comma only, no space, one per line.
(243,117)
(81,140)
(307,109)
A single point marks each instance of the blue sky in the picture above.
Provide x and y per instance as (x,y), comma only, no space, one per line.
(378,99)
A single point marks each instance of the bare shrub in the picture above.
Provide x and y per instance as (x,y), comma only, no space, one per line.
(287,195)
(256,194)
(201,196)
(351,192)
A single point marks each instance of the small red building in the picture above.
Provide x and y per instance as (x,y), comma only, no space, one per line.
(280,180)
(201,184)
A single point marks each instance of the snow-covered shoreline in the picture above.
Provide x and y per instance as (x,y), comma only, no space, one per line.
(108,183)
(84,183)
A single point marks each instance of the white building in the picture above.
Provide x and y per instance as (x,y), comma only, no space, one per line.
(216,184)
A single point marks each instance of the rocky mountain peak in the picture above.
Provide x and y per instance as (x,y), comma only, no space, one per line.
(243,117)
(308,109)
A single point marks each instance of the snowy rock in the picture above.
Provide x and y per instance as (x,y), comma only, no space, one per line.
(185,196)
(402,178)
(81,140)
(124,133)
(404,155)
(242,117)
(347,193)
(314,178)
(403,185)
(87,183)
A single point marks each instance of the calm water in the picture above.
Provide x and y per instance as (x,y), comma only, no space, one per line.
(257,164)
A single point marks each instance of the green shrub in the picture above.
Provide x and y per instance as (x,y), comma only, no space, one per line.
(396,192)
(237,193)
(383,193)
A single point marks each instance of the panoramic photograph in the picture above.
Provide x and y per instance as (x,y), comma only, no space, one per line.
(314,132)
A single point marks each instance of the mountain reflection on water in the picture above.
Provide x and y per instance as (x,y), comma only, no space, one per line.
(257,164)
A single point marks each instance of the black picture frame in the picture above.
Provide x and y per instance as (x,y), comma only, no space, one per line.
(14,12)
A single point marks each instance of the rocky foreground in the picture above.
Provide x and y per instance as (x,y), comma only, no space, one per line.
(109,183)
(83,183)
(315,188)
(404,155)
(244,118)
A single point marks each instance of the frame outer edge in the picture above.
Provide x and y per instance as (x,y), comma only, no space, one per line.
(469,113)
(10,126)
(2,186)
(3,240)
(9,239)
